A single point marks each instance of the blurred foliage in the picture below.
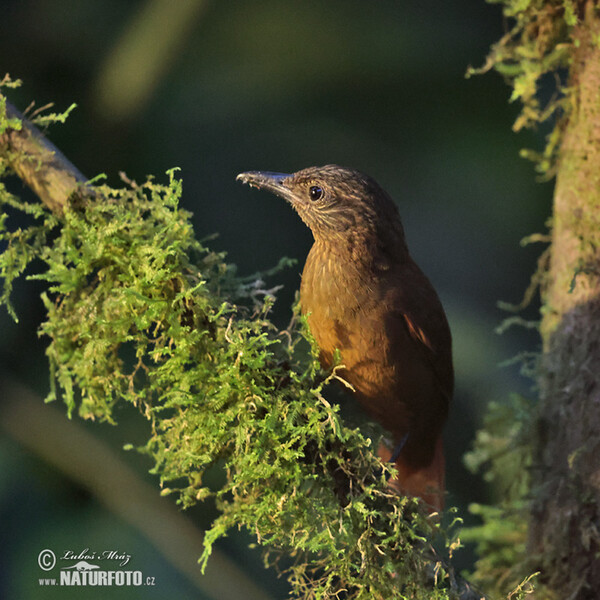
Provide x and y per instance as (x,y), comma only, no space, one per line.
(503,451)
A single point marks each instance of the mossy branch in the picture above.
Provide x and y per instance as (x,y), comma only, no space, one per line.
(139,311)
(551,57)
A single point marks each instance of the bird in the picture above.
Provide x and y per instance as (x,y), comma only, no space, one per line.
(370,308)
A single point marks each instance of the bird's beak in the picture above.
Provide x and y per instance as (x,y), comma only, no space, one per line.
(265,180)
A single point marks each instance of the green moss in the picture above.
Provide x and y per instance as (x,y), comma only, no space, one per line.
(536,51)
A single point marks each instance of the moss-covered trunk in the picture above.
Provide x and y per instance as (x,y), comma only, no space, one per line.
(565,525)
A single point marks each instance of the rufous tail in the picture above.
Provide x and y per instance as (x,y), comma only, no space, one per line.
(426,483)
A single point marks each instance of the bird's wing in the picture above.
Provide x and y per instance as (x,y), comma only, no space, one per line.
(418,306)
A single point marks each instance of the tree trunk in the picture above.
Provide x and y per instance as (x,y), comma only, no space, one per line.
(565,525)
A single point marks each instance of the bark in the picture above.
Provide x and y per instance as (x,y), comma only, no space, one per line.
(39,163)
(565,526)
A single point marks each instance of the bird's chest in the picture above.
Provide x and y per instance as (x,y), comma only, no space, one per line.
(341,300)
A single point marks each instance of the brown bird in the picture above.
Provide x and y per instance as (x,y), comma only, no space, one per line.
(365,296)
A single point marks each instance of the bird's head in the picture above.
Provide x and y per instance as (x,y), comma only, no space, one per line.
(335,202)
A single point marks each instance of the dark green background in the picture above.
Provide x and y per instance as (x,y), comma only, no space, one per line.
(278,85)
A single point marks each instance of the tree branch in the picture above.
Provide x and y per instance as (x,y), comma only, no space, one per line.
(39,163)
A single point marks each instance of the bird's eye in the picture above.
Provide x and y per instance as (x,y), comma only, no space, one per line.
(315,192)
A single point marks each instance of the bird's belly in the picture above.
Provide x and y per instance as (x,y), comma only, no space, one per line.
(378,358)
(369,361)
(363,352)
